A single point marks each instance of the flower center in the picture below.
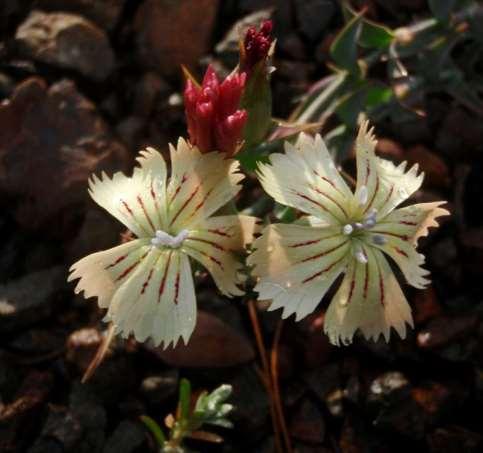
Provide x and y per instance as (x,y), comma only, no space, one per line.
(356,229)
(368,222)
(163,239)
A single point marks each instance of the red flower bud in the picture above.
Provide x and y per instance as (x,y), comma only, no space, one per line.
(214,120)
(257,44)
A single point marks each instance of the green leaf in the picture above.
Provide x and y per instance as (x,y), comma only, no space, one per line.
(155,429)
(184,398)
(377,95)
(350,107)
(375,36)
(344,48)
(442,9)
(319,100)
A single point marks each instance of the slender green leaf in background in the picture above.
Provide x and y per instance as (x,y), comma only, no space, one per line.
(373,35)
(155,429)
(344,48)
(184,398)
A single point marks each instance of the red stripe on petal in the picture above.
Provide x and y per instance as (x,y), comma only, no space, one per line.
(320,192)
(206,255)
(373,196)
(206,241)
(163,279)
(353,284)
(185,204)
(121,258)
(389,195)
(327,180)
(219,232)
(401,252)
(176,288)
(381,286)
(176,192)
(366,280)
(140,202)
(146,282)
(368,171)
(128,209)
(301,244)
(326,252)
(130,268)
(317,274)
(305,197)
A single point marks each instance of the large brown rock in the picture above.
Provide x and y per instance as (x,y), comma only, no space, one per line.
(52,139)
(104,13)
(30,299)
(213,344)
(67,41)
(171,33)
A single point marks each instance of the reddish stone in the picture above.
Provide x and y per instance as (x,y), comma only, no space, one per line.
(68,41)
(436,170)
(425,306)
(213,344)
(174,33)
(51,141)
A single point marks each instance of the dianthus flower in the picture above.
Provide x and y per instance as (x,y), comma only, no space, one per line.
(146,284)
(214,119)
(344,233)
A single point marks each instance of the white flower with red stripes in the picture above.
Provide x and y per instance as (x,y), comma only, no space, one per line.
(146,284)
(343,233)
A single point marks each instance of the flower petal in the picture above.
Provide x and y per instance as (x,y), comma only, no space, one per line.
(200,184)
(369,299)
(305,178)
(136,201)
(380,184)
(401,230)
(296,265)
(102,273)
(157,301)
(214,243)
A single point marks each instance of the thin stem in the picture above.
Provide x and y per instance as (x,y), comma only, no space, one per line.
(276,387)
(265,372)
(100,354)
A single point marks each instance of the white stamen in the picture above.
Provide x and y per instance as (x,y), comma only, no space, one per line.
(362,197)
(379,239)
(360,256)
(369,223)
(163,239)
(347,229)
(358,226)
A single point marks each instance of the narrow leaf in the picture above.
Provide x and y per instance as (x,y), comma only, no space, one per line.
(375,36)
(155,429)
(344,48)
(184,398)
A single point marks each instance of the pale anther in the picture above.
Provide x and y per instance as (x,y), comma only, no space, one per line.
(163,239)
(362,197)
(347,229)
(360,256)
(379,240)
